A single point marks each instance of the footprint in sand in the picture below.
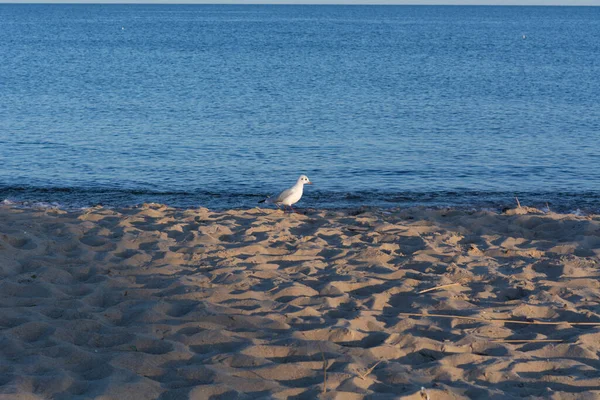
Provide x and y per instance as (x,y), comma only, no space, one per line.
(151,346)
(181,308)
(190,330)
(551,269)
(126,254)
(32,331)
(21,243)
(93,241)
(95,371)
(219,348)
(111,340)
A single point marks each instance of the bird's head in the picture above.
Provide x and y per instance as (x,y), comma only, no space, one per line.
(304,180)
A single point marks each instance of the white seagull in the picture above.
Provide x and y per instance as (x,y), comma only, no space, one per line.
(289,196)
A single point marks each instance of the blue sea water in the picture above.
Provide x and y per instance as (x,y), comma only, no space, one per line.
(220,105)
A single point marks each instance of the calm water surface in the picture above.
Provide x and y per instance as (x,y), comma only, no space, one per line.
(219,105)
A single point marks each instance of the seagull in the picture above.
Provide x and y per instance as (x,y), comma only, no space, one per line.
(289,196)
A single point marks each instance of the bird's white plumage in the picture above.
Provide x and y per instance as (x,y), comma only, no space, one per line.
(292,195)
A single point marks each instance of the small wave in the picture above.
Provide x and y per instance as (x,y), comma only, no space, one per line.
(75,197)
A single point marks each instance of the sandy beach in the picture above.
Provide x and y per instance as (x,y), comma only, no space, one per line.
(153,302)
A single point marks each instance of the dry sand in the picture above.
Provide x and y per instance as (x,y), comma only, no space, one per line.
(153,302)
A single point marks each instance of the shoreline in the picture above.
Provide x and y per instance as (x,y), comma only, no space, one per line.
(82,198)
(390,209)
(157,302)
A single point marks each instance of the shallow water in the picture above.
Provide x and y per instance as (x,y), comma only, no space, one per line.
(221,105)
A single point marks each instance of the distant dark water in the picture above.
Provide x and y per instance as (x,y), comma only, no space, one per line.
(217,106)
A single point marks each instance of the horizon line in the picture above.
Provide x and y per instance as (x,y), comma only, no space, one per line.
(516,3)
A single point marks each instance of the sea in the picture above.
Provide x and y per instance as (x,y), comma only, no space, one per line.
(219,106)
